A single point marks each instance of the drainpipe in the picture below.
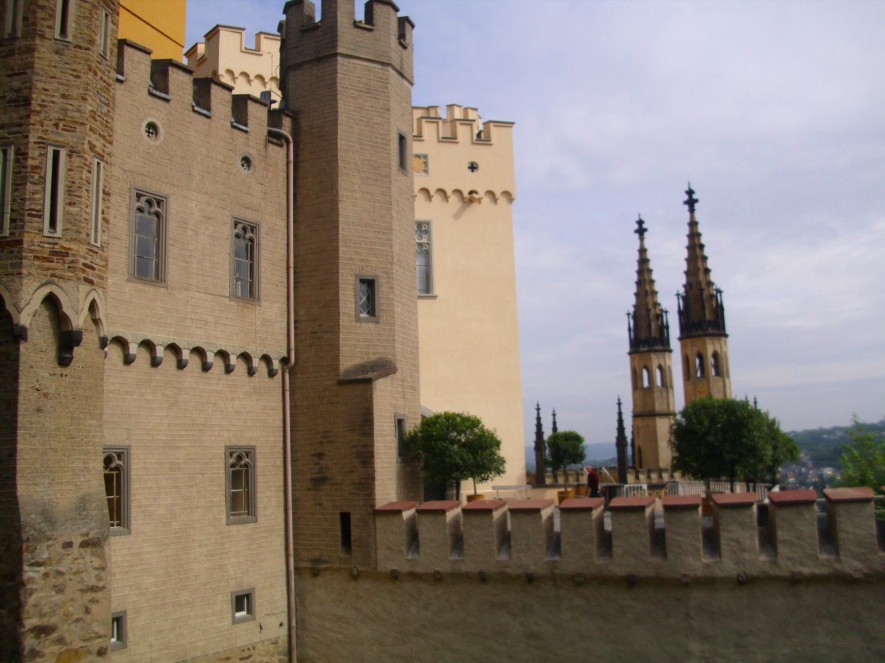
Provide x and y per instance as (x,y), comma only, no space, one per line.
(290,362)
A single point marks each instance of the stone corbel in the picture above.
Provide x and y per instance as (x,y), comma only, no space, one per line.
(68,340)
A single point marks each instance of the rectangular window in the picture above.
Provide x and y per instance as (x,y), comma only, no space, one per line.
(104,38)
(242,606)
(240,472)
(118,630)
(421,164)
(402,147)
(244,256)
(97,188)
(54,199)
(116,488)
(367,298)
(401,450)
(148,240)
(6,158)
(423,262)
(63,19)
(346,536)
(12,18)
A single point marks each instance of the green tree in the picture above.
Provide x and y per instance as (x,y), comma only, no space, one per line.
(728,438)
(564,449)
(863,458)
(455,446)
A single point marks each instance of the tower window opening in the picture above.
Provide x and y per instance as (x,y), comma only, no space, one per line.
(715,365)
(6,157)
(699,365)
(661,382)
(346,535)
(646,377)
(53,205)
(63,19)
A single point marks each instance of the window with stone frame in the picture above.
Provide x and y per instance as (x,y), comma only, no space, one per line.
(367,298)
(244,260)
(240,478)
(12,18)
(148,239)
(6,159)
(96,211)
(54,193)
(63,9)
(119,637)
(104,36)
(242,606)
(116,488)
(423,258)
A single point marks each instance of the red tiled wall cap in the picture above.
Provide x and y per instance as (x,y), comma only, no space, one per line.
(483,505)
(788,497)
(638,502)
(682,501)
(582,504)
(396,506)
(862,494)
(529,505)
(734,499)
(439,505)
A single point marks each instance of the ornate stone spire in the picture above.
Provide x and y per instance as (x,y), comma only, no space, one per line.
(621,446)
(555,429)
(701,311)
(647,326)
(540,449)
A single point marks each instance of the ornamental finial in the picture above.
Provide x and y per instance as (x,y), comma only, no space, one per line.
(640,227)
(691,201)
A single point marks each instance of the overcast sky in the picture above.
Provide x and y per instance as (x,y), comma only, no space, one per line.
(775,111)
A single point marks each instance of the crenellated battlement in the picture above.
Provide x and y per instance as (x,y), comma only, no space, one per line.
(174,83)
(382,36)
(460,124)
(636,536)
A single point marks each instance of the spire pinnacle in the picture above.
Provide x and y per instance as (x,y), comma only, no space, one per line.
(647,325)
(691,201)
(640,227)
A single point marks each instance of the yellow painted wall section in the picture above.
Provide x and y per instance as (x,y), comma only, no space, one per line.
(158,25)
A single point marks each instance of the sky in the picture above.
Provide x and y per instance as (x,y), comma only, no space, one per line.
(774,111)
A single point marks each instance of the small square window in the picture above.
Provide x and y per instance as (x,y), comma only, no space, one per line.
(118,630)
(242,605)
(116,488)
(367,299)
(240,473)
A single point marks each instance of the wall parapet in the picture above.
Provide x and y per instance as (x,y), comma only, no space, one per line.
(636,536)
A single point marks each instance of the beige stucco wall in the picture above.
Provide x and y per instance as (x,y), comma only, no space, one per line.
(174,572)
(225,56)
(160,26)
(468,327)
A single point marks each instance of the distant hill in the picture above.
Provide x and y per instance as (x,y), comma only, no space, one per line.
(824,445)
(602,453)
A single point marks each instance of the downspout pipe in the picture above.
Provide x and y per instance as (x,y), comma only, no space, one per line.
(287,371)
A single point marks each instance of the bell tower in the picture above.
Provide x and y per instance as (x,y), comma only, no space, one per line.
(702,337)
(651,369)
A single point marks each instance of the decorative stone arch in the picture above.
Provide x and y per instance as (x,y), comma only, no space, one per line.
(458,196)
(227,359)
(274,82)
(155,351)
(442,194)
(243,77)
(205,357)
(62,302)
(271,365)
(507,196)
(8,304)
(260,80)
(491,197)
(424,194)
(249,361)
(93,306)
(178,353)
(126,346)
(228,76)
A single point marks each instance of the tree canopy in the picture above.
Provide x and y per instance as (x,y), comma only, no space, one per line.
(731,439)
(863,458)
(455,446)
(564,449)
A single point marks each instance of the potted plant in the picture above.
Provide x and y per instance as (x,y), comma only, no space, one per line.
(455,446)
(564,449)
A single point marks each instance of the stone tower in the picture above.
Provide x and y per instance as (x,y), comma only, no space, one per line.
(356,392)
(57,62)
(651,370)
(702,337)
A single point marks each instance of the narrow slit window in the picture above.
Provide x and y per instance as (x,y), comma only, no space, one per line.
(118,630)
(104,38)
(241,485)
(116,487)
(97,187)
(423,264)
(402,149)
(699,365)
(12,23)
(54,201)
(401,450)
(346,536)
(367,298)
(63,19)
(6,159)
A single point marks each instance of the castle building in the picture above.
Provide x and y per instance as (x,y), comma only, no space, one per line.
(651,370)
(464,188)
(703,341)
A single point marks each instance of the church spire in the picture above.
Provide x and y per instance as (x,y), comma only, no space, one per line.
(540,449)
(621,446)
(701,311)
(647,326)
